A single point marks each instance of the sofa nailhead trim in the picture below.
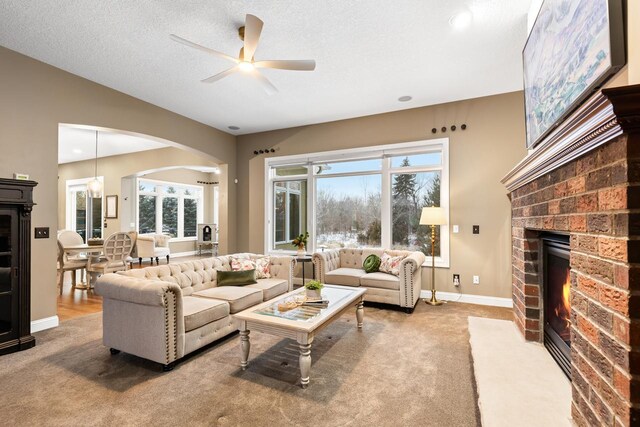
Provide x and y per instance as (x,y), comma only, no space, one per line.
(166,327)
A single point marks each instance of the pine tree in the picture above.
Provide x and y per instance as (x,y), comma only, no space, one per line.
(147,214)
(170,214)
(404,190)
(190,216)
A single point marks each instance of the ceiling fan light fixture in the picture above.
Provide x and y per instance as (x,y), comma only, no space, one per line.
(246,66)
(244,63)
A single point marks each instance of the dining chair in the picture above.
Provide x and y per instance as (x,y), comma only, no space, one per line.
(72,264)
(72,238)
(134,248)
(116,251)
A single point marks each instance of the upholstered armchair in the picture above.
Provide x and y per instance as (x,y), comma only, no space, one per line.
(152,246)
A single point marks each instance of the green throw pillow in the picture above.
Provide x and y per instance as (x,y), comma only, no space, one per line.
(371,263)
(236,278)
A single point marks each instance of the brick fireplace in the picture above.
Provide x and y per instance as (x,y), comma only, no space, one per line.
(583,181)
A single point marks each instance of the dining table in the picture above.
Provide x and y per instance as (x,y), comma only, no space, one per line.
(93,252)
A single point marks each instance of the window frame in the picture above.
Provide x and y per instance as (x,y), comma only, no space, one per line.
(385,153)
(70,211)
(160,196)
(287,208)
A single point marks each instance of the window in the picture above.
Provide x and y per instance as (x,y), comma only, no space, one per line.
(410,192)
(348,211)
(289,212)
(368,197)
(169,208)
(83,214)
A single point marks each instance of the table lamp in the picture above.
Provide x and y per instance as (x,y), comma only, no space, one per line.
(433,216)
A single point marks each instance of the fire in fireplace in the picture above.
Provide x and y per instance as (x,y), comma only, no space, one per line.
(556,296)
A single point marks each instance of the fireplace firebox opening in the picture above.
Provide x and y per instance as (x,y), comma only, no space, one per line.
(556,294)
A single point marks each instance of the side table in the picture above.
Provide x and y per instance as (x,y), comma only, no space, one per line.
(304,260)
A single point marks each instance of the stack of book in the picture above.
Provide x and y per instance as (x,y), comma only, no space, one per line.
(316,303)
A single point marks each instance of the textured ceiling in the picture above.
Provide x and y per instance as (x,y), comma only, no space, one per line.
(368,53)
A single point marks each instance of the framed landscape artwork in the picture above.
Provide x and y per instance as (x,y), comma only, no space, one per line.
(573,48)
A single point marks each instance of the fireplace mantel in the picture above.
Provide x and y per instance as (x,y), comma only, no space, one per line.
(607,114)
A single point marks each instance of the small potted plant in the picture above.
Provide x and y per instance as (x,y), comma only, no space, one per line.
(301,242)
(313,289)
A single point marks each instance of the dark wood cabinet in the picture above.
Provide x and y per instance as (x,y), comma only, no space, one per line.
(16,202)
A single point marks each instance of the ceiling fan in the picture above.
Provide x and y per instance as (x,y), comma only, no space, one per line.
(245,63)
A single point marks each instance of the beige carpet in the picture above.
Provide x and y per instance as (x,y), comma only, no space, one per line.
(401,370)
(519,384)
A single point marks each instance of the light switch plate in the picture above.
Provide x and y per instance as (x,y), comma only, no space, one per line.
(456,228)
(476,280)
(41,233)
(476,229)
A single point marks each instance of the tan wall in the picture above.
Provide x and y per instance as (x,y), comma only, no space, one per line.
(35,98)
(114,168)
(633,40)
(480,157)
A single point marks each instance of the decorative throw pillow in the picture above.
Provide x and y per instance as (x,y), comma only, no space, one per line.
(263,267)
(391,264)
(236,278)
(240,264)
(371,263)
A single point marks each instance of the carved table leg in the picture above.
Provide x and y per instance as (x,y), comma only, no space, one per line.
(245,345)
(360,314)
(305,364)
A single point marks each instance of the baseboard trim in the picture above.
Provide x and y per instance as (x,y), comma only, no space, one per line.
(469,299)
(45,323)
(183,254)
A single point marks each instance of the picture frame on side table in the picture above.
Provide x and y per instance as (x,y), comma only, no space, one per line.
(111,209)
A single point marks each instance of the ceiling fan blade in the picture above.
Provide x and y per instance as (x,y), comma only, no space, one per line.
(266,84)
(221,75)
(252,29)
(202,48)
(296,65)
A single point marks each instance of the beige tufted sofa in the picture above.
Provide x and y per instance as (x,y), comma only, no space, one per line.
(344,267)
(163,313)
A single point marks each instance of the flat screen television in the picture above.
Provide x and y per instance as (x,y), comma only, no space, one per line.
(573,48)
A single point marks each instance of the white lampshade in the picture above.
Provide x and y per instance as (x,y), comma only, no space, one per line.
(433,216)
(95,188)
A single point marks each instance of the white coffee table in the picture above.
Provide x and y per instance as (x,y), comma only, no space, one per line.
(300,324)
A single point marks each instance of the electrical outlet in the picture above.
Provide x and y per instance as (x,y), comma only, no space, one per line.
(456,228)
(476,280)
(456,280)
(476,229)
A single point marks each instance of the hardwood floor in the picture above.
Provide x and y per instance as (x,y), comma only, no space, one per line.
(77,303)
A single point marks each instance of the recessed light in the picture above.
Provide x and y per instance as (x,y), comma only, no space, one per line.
(405,98)
(461,20)
(234,128)
(77,151)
